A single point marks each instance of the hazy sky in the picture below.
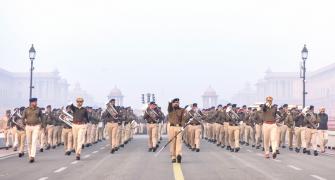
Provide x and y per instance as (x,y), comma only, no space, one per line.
(174,48)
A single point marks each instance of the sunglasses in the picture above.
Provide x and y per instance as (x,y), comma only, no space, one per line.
(80,101)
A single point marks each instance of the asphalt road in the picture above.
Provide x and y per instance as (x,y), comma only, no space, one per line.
(134,163)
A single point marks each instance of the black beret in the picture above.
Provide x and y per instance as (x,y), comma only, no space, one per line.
(112,100)
(234,105)
(195,105)
(152,103)
(48,106)
(244,106)
(33,100)
(285,105)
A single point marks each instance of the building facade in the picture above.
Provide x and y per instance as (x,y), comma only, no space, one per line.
(117,95)
(209,98)
(49,88)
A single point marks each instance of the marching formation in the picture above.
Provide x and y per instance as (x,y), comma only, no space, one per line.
(264,127)
(74,127)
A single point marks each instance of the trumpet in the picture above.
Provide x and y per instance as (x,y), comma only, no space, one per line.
(66,117)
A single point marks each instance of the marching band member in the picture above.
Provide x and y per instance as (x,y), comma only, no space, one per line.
(194,117)
(152,115)
(21,134)
(233,129)
(312,120)
(67,135)
(112,120)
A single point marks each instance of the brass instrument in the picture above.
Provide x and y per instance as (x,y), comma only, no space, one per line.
(232,114)
(309,116)
(16,123)
(112,111)
(66,117)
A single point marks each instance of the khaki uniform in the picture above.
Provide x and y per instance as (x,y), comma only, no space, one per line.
(249,128)
(258,128)
(32,118)
(289,123)
(311,120)
(233,131)
(177,121)
(112,128)
(270,129)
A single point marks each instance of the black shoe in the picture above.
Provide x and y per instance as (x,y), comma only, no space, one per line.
(218,145)
(31,160)
(122,145)
(228,148)
(21,155)
(154,149)
(223,146)
(316,153)
(83,146)
(179,159)
(270,149)
(231,149)
(277,152)
(113,151)
(69,153)
(290,148)
(297,150)
(41,150)
(73,151)
(48,147)
(263,149)
(150,150)
(7,148)
(15,149)
(253,146)
(247,144)
(157,146)
(53,147)
(283,147)
(126,142)
(304,150)
(274,155)
(242,142)
(87,145)
(78,157)
(258,147)
(237,149)
(174,161)
(308,152)
(117,148)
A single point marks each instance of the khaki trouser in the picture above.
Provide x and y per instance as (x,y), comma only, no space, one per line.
(270,137)
(88,134)
(226,133)
(297,132)
(249,135)
(323,139)
(205,130)
(119,135)
(32,139)
(216,132)
(112,130)
(42,137)
(221,135)
(242,130)
(283,130)
(311,135)
(195,135)
(21,137)
(55,135)
(258,134)
(10,136)
(176,144)
(50,135)
(234,136)
(210,131)
(78,133)
(67,138)
(160,129)
(152,133)
(59,134)
(93,133)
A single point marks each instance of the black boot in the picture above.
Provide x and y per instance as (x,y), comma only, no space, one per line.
(228,148)
(247,144)
(274,155)
(316,153)
(48,147)
(174,160)
(41,150)
(150,149)
(154,149)
(297,150)
(237,149)
(253,146)
(304,150)
(308,152)
(113,151)
(197,150)
(179,159)
(290,148)
(232,150)
(31,160)
(277,152)
(270,149)
(223,146)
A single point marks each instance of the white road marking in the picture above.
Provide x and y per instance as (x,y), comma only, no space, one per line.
(249,150)
(318,177)
(102,148)
(95,152)
(43,178)
(295,168)
(60,170)
(87,156)
(74,162)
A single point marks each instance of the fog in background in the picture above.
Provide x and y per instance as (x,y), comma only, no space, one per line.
(174,48)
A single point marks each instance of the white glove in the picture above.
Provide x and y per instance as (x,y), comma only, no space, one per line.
(182,129)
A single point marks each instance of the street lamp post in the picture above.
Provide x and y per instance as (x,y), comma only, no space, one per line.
(304,55)
(32,55)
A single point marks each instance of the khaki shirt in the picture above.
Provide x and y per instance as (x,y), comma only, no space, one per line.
(176,117)
(32,116)
(3,123)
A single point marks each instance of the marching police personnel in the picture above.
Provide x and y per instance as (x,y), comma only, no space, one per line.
(312,120)
(194,116)
(233,129)
(32,117)
(152,115)
(259,126)
(80,118)
(20,131)
(67,135)
(249,127)
(289,122)
(177,122)
(50,125)
(111,118)
(270,128)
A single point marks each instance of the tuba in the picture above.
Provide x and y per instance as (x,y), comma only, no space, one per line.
(232,114)
(17,113)
(112,111)
(66,117)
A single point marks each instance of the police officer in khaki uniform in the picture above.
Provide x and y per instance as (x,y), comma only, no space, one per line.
(194,118)
(152,116)
(112,120)
(312,120)
(67,135)
(20,131)
(289,122)
(250,127)
(32,117)
(177,121)
(233,129)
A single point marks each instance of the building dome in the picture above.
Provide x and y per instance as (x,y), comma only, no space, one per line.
(210,92)
(115,92)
